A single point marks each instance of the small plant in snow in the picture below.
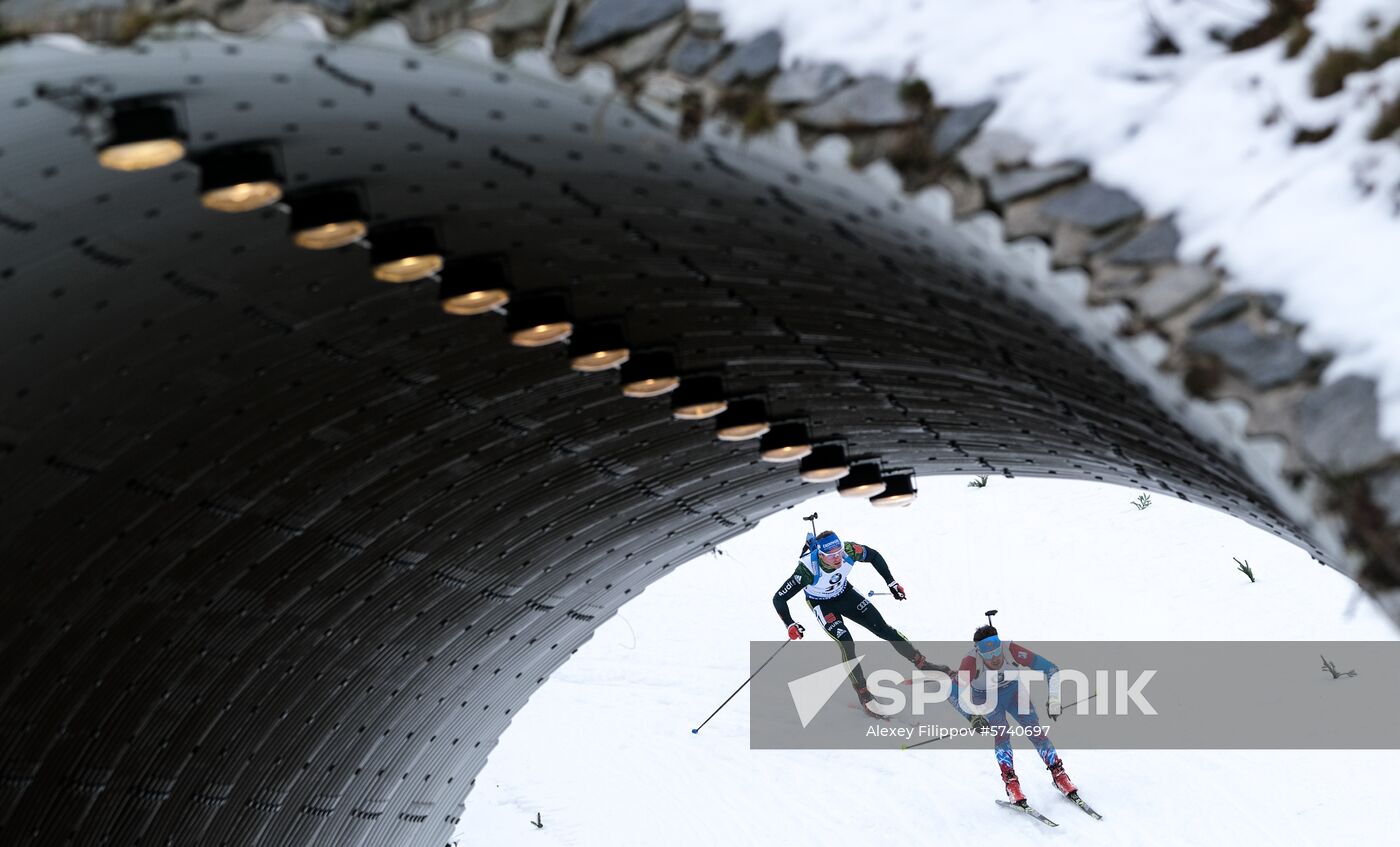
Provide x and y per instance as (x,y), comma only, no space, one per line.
(1332,669)
(1387,122)
(916,93)
(979,482)
(1244,568)
(1143,501)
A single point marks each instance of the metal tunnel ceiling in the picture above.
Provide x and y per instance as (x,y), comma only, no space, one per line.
(285,548)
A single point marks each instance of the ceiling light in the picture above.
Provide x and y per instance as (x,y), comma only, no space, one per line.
(826,463)
(649,374)
(899,491)
(744,419)
(863,481)
(698,397)
(475,285)
(405,253)
(538,319)
(239,179)
(597,347)
(326,219)
(141,134)
(785,442)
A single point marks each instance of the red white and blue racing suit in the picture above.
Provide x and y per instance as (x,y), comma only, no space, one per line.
(972,671)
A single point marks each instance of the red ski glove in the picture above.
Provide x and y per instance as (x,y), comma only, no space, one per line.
(897,591)
(795,631)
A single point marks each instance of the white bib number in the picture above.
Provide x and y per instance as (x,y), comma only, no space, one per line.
(829,583)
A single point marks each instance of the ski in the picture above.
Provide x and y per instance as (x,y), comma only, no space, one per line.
(908,681)
(893,722)
(857,707)
(1079,801)
(1025,807)
(889,719)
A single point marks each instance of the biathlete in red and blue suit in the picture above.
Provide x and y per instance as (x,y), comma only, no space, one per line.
(989,652)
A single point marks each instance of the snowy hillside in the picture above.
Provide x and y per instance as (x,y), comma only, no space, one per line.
(605,755)
(1204,134)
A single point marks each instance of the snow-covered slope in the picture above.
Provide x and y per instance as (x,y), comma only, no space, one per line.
(604,751)
(1206,135)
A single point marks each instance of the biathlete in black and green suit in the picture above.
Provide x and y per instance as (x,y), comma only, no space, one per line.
(823,575)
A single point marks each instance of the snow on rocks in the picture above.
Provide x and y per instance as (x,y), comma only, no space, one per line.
(959,125)
(606,21)
(1264,360)
(1338,426)
(1010,186)
(752,61)
(872,102)
(802,84)
(695,54)
(1155,245)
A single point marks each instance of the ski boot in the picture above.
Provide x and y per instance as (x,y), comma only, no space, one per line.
(1013,786)
(865,697)
(1062,782)
(923,664)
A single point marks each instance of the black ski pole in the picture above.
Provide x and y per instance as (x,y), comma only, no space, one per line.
(741,687)
(920,744)
(1080,700)
(1065,708)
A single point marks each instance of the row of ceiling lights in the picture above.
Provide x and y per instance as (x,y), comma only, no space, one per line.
(142,134)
